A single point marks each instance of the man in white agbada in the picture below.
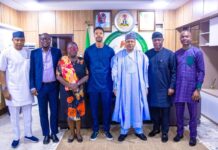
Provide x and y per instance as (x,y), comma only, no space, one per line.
(130,77)
(14,77)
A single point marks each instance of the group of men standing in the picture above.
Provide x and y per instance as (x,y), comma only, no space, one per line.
(145,85)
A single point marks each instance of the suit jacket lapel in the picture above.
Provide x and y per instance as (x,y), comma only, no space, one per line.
(40,59)
(53,57)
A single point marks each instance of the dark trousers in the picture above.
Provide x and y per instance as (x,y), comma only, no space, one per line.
(192,108)
(160,117)
(106,100)
(48,94)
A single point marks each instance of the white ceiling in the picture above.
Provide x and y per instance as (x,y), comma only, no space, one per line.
(35,5)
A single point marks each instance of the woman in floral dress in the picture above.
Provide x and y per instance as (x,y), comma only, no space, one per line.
(71,72)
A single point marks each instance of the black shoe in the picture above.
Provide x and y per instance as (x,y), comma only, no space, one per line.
(54,138)
(94,135)
(70,139)
(192,141)
(32,138)
(164,138)
(108,135)
(46,140)
(122,137)
(79,138)
(153,133)
(177,138)
(141,136)
(15,143)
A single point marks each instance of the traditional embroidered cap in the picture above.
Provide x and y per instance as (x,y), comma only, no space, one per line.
(130,35)
(18,34)
(157,35)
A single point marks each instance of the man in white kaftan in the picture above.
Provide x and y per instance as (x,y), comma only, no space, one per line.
(130,77)
(14,73)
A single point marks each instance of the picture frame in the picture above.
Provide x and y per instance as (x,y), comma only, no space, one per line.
(103,18)
(146,20)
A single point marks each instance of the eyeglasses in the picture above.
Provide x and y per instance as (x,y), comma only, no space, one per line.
(45,39)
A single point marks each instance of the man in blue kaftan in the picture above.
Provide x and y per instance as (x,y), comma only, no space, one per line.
(190,76)
(98,60)
(130,78)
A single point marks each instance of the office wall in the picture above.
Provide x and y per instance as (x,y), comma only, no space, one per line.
(9,15)
(190,14)
(194,10)
(73,22)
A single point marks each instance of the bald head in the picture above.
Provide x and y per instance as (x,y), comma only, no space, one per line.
(186,32)
(45,40)
(185,38)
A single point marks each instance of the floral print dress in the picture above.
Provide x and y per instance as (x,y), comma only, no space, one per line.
(75,99)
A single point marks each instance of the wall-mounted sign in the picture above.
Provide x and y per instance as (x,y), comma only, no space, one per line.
(124,21)
(117,41)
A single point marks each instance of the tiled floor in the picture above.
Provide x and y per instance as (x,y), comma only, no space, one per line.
(6,134)
(207,134)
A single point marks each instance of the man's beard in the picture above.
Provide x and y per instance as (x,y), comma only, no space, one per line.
(186,42)
(158,47)
(130,48)
(47,46)
(99,39)
(18,47)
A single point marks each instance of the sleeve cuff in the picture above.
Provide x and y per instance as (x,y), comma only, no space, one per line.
(32,89)
(114,86)
(198,86)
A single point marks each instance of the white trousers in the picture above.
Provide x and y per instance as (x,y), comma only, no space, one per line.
(27,117)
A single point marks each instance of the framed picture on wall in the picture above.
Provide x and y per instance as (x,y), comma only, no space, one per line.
(103,18)
(146,20)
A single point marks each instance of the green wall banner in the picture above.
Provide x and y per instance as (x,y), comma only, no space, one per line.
(116,34)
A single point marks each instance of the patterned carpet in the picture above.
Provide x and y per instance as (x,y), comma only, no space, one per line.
(131,142)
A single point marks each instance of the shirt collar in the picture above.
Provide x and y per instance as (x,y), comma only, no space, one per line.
(48,49)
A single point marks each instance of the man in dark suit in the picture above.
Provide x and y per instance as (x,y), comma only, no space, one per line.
(44,85)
